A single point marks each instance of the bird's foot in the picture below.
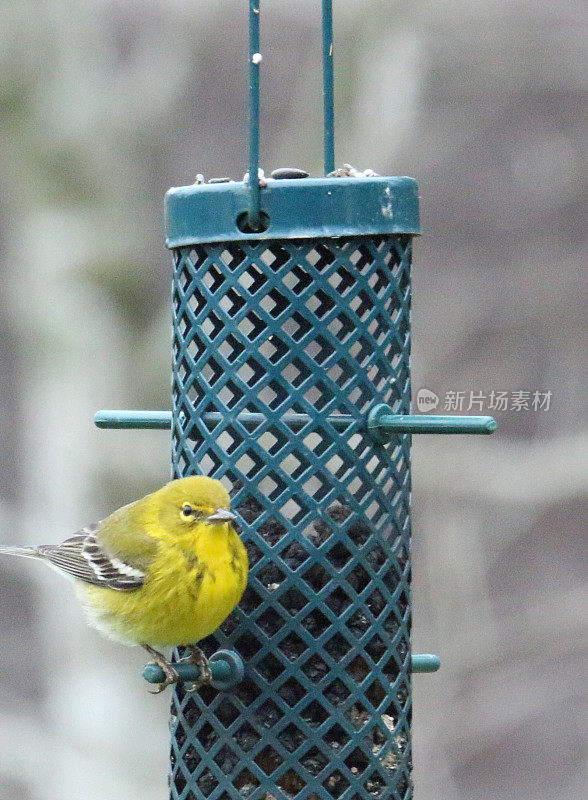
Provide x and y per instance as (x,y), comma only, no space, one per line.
(171,675)
(197,657)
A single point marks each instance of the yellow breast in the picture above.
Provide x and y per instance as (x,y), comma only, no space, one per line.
(191,588)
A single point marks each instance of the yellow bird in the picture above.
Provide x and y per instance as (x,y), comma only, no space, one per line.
(163,571)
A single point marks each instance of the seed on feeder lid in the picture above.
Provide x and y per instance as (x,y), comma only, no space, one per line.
(256,58)
(261,175)
(349,171)
(219,180)
(287,173)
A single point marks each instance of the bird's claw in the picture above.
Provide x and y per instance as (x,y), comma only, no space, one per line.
(197,657)
(171,676)
(161,686)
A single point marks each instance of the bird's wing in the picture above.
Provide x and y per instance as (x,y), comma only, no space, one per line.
(84,556)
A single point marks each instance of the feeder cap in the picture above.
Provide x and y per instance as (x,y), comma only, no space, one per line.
(306,208)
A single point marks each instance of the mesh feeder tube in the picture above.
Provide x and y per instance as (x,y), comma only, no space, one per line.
(308,317)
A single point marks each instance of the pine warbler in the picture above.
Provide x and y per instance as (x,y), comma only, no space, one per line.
(163,571)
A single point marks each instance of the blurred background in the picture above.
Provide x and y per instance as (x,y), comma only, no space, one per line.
(104,105)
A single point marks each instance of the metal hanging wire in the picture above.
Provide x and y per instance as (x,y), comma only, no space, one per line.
(254,69)
(254,219)
(328,91)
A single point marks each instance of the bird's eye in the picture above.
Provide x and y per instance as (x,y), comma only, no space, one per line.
(187,511)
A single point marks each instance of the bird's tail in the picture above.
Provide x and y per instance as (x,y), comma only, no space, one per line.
(28,552)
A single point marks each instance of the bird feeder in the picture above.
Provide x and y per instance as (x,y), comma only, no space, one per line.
(291,384)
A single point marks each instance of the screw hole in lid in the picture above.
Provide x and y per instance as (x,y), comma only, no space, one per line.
(242,222)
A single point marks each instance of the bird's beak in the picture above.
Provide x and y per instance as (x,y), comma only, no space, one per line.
(221,515)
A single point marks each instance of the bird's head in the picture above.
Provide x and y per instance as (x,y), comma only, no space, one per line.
(194,500)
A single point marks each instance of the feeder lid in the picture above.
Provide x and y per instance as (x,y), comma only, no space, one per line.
(293,209)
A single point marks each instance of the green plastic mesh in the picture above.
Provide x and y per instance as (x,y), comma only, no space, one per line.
(318,327)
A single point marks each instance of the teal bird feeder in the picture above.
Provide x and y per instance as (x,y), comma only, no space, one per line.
(291,384)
